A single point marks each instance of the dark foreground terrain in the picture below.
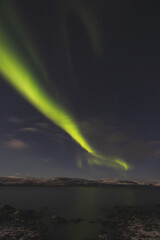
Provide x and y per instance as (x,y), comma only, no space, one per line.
(127,223)
(20,224)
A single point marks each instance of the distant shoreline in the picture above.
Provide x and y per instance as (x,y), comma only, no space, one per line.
(70,182)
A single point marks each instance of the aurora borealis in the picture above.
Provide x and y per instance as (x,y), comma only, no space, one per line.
(26,68)
(19,75)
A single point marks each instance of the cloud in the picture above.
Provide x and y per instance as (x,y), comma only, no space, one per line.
(17,144)
(15,120)
(19,120)
(29,129)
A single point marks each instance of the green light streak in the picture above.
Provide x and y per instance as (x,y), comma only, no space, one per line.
(18,74)
(108,162)
(122,163)
(89,13)
(13,68)
(20,29)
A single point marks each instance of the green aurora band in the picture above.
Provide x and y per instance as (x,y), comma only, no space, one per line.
(17,72)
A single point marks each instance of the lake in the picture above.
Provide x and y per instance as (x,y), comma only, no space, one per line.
(89,203)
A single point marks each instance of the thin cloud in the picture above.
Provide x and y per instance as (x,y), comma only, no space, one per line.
(15,120)
(29,129)
(17,144)
(19,120)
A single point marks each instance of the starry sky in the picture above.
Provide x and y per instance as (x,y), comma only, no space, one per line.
(100,61)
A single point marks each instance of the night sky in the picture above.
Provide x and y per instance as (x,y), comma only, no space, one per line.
(100,61)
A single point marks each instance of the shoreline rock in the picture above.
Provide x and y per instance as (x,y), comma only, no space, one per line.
(131,223)
(20,224)
(58,220)
(119,223)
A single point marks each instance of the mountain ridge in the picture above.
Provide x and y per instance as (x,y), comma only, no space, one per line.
(66,181)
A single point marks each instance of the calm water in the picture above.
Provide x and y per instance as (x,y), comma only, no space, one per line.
(76,202)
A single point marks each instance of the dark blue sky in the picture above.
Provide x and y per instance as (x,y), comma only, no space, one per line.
(103,59)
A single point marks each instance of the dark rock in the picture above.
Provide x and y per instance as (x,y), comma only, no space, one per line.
(34,236)
(8,208)
(24,214)
(58,220)
(77,220)
(6,213)
(5,216)
(103,237)
(24,237)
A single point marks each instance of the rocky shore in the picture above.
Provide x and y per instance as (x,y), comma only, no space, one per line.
(126,223)
(119,223)
(130,223)
(20,224)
